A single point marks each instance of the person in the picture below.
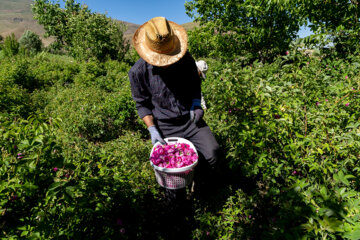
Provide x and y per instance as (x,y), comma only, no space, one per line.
(202,69)
(166,88)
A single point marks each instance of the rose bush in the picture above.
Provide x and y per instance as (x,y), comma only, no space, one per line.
(289,129)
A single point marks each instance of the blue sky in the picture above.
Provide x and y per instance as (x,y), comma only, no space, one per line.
(140,11)
(304,32)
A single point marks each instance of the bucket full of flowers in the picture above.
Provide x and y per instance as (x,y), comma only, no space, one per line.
(174,162)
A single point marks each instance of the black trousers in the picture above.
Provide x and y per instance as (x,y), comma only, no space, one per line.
(204,141)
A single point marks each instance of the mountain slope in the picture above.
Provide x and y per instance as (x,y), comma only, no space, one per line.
(16,17)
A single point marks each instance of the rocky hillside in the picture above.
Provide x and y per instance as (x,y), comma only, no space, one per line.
(16,17)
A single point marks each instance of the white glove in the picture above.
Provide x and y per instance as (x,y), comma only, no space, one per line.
(155,135)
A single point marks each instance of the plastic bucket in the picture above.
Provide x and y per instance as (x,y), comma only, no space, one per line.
(174,178)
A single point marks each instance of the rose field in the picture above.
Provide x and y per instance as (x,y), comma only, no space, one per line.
(75,156)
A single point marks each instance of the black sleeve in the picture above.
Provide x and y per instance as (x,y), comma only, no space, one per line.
(140,94)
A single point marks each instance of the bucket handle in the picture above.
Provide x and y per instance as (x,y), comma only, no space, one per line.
(172,140)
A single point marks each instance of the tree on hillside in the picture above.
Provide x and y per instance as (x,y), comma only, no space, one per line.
(83,33)
(256,28)
(338,19)
(30,41)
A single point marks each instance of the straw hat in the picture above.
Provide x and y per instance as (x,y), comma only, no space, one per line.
(160,42)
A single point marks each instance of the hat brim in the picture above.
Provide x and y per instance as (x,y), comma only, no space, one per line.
(160,59)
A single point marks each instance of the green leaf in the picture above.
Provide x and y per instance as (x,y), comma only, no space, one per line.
(24,233)
(54,188)
(29,186)
(320,151)
(354,235)
(70,191)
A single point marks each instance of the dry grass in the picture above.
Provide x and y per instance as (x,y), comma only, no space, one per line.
(190,25)
(16,17)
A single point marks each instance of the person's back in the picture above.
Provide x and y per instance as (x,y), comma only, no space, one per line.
(167,92)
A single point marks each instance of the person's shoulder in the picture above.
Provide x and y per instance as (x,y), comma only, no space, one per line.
(188,54)
(138,67)
(188,57)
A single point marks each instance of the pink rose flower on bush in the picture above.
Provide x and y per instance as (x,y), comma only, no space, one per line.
(173,155)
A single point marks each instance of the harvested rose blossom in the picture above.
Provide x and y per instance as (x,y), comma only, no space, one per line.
(173,155)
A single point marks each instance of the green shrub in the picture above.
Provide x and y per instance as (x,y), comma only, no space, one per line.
(11,45)
(55,48)
(14,100)
(18,71)
(291,128)
(110,76)
(49,189)
(93,113)
(131,57)
(54,70)
(30,41)
(14,97)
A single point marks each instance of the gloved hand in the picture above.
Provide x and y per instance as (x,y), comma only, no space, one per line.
(196,112)
(155,135)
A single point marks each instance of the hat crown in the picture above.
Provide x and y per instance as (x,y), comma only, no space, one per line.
(160,42)
(159,35)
